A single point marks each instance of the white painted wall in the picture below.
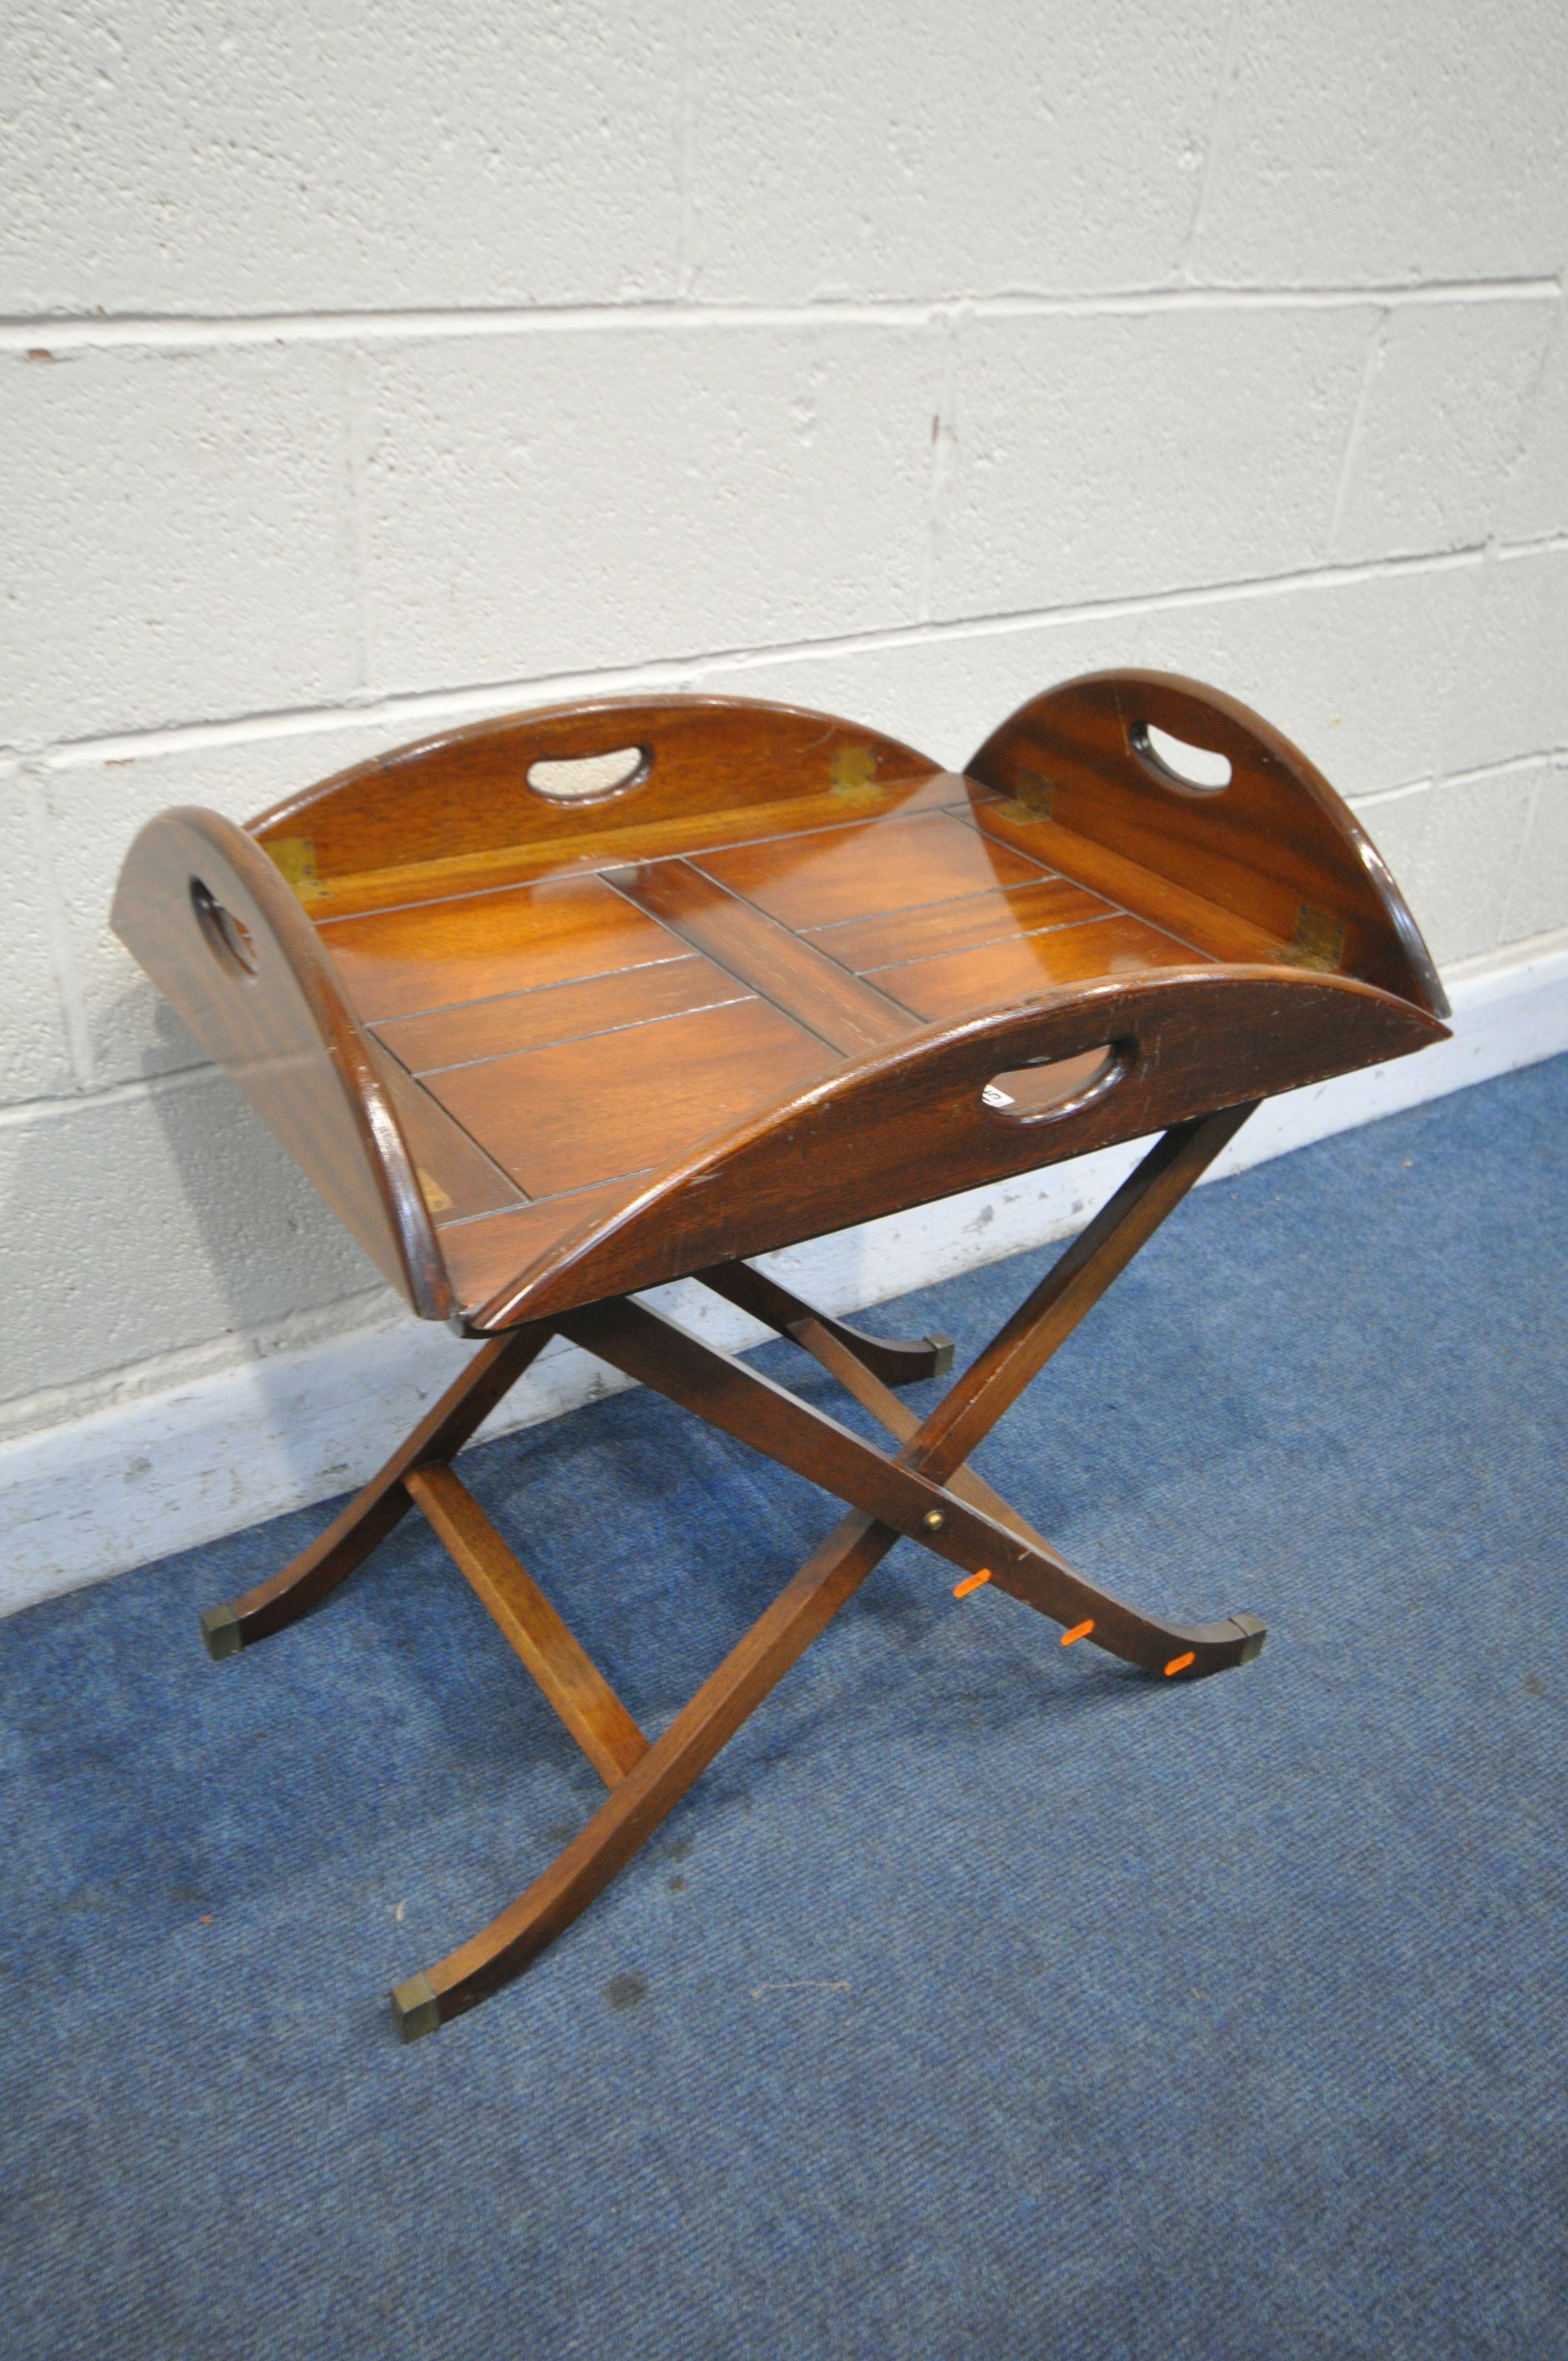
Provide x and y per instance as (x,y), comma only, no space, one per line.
(367,369)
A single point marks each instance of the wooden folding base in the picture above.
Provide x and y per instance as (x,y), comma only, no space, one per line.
(923,1491)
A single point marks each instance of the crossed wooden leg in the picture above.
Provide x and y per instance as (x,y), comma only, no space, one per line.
(925,1492)
(765,1300)
(413,1471)
(384,1501)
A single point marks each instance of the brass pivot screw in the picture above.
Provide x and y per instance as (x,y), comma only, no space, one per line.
(933,1521)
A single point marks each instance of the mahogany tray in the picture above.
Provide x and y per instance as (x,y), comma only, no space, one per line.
(561,1006)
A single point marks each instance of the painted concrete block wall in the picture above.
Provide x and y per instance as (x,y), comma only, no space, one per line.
(368,371)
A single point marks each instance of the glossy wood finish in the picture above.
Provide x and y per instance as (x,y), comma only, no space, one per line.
(1202,926)
(1074,1285)
(646,1345)
(560,1012)
(832,1574)
(580,1110)
(637,1806)
(510,1050)
(437,954)
(1275,847)
(591,849)
(789,976)
(820,1338)
(894,1363)
(925,1492)
(957,923)
(992,975)
(724,1393)
(267,1001)
(453,803)
(520,1240)
(380,1505)
(891,1130)
(846,1013)
(831,874)
(456,1179)
(567,1677)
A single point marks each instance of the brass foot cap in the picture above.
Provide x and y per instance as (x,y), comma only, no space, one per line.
(415,2007)
(942,1348)
(1254,1633)
(221,1633)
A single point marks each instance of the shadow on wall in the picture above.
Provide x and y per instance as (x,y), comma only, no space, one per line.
(165,1221)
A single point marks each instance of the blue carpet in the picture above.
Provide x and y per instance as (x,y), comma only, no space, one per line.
(985,1999)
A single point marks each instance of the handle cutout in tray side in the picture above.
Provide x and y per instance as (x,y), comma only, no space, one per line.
(227,937)
(1043,1094)
(1175,762)
(590,778)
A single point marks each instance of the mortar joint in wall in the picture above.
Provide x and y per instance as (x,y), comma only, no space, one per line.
(148,331)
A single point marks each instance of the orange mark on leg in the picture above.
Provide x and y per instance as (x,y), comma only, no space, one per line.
(1079,1631)
(1179,1663)
(971,1582)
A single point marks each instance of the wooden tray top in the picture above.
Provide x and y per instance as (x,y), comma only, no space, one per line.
(564,1002)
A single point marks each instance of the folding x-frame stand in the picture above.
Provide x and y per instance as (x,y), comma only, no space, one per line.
(925,1492)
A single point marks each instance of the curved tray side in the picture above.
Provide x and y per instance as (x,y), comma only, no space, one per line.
(467,793)
(877,1137)
(263,998)
(1275,847)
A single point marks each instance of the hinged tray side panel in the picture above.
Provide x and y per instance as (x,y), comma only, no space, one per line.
(924,1118)
(216,928)
(526,780)
(1274,846)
